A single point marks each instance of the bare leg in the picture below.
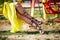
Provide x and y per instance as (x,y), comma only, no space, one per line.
(30,22)
(25,19)
(21,10)
(21,13)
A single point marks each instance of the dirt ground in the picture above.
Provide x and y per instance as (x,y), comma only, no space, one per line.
(5,25)
(32,37)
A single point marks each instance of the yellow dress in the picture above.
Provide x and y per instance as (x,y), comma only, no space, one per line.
(9,12)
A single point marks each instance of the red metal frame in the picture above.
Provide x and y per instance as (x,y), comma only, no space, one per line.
(47,5)
(50,10)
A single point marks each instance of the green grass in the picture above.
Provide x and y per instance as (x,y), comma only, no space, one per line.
(2,38)
(37,13)
(1,10)
(29,32)
(47,39)
(1,7)
(19,32)
(2,18)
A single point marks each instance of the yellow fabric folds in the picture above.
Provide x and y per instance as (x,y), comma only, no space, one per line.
(10,13)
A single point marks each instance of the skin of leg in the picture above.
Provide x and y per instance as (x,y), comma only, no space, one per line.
(23,12)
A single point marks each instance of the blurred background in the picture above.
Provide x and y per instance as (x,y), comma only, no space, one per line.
(52,29)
